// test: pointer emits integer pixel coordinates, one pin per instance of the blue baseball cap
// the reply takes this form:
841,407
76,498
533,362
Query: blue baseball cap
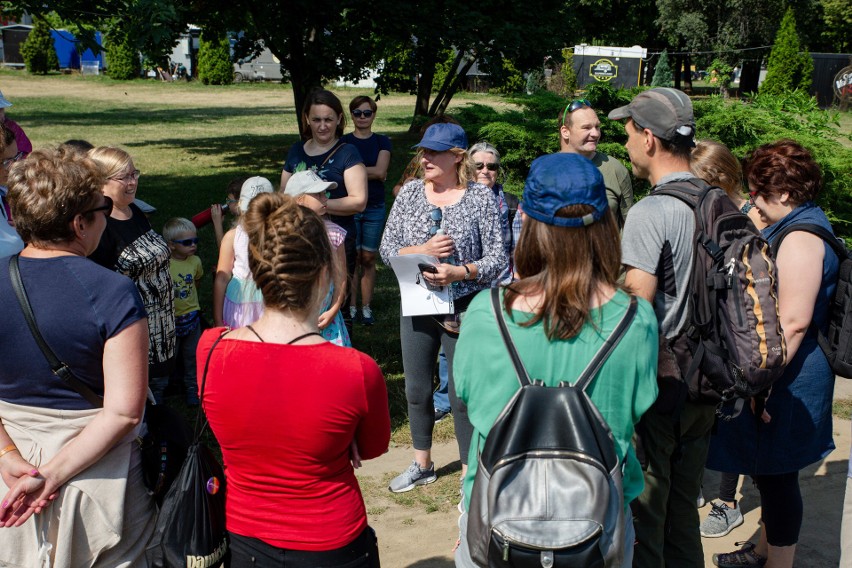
442,137
559,180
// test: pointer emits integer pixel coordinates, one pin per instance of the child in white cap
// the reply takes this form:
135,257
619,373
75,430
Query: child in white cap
311,191
236,300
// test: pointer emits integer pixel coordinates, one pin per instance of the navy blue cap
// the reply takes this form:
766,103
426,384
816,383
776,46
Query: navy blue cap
442,137
559,180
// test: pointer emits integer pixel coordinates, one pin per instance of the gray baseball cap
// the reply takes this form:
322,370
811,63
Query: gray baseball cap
665,112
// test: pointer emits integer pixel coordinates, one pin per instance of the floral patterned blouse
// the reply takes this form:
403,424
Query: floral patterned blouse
473,223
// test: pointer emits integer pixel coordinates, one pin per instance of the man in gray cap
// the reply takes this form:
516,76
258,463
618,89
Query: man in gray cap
657,251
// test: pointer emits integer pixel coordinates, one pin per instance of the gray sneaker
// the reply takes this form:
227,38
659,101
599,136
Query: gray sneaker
412,477
721,520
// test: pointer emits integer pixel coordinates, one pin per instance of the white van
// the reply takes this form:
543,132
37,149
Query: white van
264,67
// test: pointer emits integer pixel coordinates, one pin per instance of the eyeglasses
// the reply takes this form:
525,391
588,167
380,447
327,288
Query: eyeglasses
7,163
127,178
106,207
358,113
435,215
490,166
230,200
186,242
574,105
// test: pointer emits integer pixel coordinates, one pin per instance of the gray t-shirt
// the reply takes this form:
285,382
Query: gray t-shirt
657,239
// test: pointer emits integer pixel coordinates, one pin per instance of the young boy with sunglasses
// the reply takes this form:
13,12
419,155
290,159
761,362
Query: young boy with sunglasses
186,270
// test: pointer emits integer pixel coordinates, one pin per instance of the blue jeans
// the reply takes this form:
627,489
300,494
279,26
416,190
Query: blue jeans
441,397
368,227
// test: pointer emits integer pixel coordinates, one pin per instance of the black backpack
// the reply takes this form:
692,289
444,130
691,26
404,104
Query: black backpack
837,342
548,488
736,347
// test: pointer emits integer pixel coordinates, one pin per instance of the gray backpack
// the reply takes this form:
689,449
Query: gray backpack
548,488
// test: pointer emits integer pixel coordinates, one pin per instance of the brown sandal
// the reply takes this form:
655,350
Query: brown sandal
745,557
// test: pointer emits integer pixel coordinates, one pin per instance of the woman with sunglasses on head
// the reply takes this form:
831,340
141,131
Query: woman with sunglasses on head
131,247
323,151
71,487
795,430
375,150
445,214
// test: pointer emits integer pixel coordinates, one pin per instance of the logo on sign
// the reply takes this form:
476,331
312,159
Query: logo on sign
603,70
843,83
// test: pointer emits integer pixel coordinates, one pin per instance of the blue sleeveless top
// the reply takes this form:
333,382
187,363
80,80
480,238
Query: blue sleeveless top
800,432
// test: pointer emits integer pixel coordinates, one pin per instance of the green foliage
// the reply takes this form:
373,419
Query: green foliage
720,75
443,68
214,59
564,79
122,58
838,22
789,68
535,82
509,80
37,51
663,75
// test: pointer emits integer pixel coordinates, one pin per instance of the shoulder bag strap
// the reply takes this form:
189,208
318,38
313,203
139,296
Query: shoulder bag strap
591,370
523,376
199,427
59,368
333,152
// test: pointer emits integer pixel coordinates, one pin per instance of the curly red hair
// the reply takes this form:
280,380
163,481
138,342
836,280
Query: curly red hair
784,166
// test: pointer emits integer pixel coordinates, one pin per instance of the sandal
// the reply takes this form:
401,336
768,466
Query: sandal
745,557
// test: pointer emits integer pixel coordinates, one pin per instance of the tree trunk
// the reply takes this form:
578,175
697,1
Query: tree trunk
439,105
424,87
677,70
688,65
448,80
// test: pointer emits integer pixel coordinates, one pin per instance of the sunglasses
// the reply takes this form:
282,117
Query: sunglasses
186,242
7,163
491,167
358,113
435,215
106,207
574,105
127,178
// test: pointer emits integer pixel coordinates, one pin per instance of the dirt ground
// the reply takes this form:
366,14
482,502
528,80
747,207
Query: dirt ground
411,538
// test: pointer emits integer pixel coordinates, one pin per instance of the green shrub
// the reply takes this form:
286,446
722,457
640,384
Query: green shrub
535,82
122,57
789,68
663,75
214,59
37,50
509,80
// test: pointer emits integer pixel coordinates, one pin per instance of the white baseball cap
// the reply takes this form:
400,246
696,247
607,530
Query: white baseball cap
252,187
307,181
4,102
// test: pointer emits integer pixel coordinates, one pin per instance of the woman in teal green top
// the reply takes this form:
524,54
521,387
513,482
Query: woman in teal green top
559,313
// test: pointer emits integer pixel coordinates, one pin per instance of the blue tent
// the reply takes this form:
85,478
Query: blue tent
66,45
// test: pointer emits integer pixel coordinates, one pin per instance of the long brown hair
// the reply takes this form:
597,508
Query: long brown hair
567,265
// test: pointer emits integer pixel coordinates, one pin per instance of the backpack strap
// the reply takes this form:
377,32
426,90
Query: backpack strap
821,232
520,371
591,370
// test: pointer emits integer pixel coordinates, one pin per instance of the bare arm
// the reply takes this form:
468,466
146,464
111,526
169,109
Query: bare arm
641,283
216,216
799,264
224,271
339,288
380,170
355,180
285,177
125,364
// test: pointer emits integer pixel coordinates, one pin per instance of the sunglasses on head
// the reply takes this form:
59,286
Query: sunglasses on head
7,163
574,105
358,113
106,207
186,242
490,166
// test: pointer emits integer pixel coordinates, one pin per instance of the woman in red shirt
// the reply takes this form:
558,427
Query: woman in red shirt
292,412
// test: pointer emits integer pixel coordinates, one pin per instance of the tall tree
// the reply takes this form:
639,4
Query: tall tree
37,51
789,68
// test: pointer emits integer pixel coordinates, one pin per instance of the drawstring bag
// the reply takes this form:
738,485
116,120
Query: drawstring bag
190,529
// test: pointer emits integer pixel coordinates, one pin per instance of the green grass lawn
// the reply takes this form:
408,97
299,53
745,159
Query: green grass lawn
190,140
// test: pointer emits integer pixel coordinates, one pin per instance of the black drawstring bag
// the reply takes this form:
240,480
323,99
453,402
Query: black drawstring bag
190,528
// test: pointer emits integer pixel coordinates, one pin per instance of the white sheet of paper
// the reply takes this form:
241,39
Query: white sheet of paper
418,297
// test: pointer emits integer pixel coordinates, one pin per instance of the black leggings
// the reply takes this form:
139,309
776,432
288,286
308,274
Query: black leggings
728,487
781,503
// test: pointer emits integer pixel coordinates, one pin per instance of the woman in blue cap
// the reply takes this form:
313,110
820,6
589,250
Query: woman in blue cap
443,213
559,313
